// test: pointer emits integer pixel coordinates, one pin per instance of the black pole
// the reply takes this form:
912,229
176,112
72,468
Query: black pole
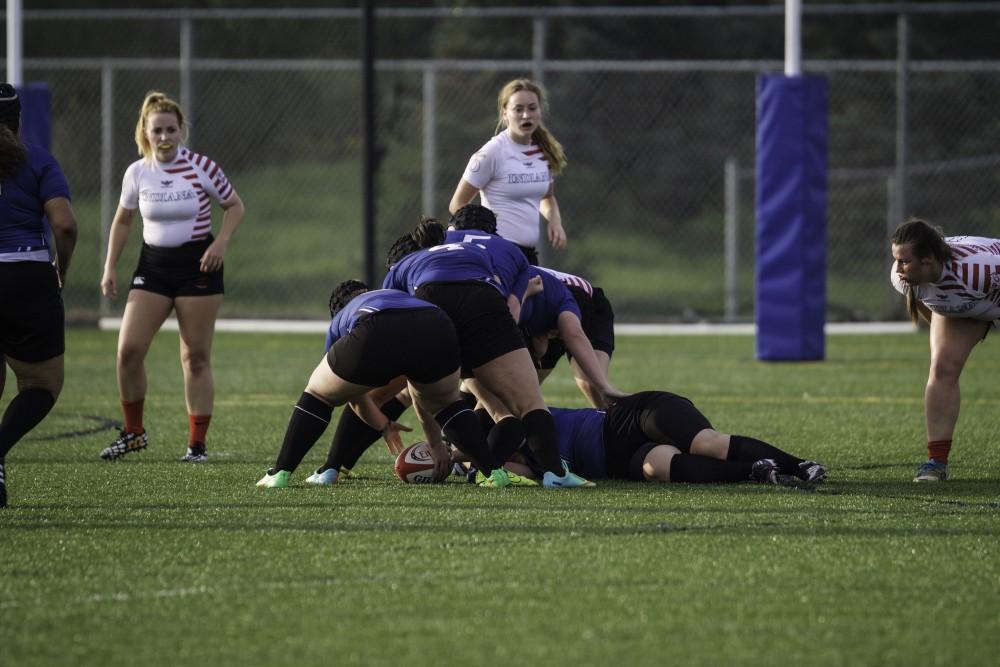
368,165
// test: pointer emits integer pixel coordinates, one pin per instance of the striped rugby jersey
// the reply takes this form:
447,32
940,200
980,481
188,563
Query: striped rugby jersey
969,285
570,280
175,199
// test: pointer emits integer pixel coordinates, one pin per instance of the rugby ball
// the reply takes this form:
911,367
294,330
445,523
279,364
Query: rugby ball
414,465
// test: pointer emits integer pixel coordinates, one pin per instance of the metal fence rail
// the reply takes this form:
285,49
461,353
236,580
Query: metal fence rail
658,195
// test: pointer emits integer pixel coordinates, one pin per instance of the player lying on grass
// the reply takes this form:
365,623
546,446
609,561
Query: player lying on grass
656,436
376,336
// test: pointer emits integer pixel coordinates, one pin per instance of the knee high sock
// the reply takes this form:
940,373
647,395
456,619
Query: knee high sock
505,438
742,448
23,413
309,419
469,398
461,426
485,420
540,432
705,469
353,436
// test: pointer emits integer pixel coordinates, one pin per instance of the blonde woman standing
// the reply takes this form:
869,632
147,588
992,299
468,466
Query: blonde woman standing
180,268
514,172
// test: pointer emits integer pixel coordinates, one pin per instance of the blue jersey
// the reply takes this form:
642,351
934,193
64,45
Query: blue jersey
508,260
540,312
23,227
366,304
581,440
450,262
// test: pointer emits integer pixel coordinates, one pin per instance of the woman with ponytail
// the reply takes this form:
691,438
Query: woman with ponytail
514,172
952,282
180,268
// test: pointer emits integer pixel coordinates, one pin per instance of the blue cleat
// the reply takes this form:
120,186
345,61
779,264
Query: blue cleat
327,477
568,480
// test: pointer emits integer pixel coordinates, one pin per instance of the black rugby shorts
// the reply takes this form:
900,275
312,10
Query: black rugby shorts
419,343
175,272
32,317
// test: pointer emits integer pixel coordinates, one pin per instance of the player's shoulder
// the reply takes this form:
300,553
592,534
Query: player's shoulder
497,145
199,161
973,249
38,153
139,167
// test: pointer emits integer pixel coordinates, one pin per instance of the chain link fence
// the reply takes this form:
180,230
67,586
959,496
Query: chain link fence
658,197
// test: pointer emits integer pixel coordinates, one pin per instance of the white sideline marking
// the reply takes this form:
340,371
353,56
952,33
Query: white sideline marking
692,329
122,596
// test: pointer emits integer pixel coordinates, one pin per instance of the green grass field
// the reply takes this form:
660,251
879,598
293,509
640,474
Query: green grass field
149,561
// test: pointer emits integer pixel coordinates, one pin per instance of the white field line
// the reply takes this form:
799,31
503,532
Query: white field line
131,596
623,329
118,596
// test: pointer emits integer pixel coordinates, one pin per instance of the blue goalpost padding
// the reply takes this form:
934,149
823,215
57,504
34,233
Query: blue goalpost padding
791,217
36,114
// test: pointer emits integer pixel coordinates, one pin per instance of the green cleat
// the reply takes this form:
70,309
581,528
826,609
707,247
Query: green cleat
275,480
512,479
498,479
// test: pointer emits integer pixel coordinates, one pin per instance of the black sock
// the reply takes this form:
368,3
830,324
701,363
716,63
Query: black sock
743,448
469,398
505,438
23,413
309,419
705,469
540,433
485,420
353,436
461,426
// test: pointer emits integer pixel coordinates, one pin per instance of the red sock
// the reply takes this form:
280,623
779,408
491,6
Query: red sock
197,428
133,416
938,450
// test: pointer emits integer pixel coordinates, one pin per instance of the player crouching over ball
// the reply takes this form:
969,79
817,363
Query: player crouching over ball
375,337
656,436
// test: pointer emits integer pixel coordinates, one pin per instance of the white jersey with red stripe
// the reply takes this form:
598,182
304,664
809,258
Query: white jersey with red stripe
175,199
512,178
570,280
969,285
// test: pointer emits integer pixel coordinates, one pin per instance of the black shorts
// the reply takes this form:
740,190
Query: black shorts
32,317
597,321
419,343
648,416
484,325
530,253
175,272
